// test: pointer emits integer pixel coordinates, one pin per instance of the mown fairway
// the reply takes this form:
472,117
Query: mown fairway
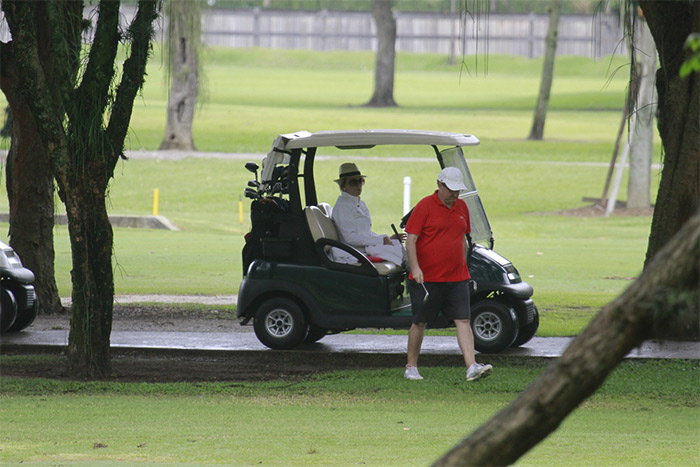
645,414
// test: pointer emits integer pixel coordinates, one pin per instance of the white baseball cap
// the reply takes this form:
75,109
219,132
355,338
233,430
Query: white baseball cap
452,178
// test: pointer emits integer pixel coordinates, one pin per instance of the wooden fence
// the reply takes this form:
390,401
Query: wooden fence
453,35
524,35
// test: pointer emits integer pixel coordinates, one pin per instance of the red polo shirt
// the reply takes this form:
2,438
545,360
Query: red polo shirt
440,244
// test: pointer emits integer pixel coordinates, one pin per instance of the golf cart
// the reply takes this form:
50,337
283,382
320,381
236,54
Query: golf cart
295,292
18,300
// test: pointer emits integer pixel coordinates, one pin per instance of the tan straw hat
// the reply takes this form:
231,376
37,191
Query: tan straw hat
348,170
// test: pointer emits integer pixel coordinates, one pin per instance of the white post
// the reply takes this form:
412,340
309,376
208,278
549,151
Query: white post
406,195
612,200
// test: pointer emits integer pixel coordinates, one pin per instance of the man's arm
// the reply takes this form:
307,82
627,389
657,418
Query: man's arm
413,257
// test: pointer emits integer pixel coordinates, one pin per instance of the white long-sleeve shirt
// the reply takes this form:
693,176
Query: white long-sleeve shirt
352,218
354,224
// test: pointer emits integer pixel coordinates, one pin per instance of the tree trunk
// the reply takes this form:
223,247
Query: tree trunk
678,198
386,55
642,136
650,302
93,283
84,196
30,192
537,130
184,32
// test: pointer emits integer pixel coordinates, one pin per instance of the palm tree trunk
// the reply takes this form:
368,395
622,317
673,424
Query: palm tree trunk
183,39
386,55
537,130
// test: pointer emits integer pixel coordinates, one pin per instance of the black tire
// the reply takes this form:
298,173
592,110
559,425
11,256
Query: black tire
279,323
527,332
9,309
25,317
315,334
494,325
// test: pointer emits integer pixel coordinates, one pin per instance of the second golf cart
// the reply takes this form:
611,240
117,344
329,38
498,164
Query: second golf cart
295,292
18,299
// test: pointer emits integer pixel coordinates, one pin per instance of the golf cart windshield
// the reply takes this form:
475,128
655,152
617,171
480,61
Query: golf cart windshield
481,230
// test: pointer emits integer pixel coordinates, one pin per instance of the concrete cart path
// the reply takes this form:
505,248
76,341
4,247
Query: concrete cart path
339,343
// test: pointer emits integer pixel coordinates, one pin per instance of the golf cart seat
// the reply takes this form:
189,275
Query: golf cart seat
326,209
325,236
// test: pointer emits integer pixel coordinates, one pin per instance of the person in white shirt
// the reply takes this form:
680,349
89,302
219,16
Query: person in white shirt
354,224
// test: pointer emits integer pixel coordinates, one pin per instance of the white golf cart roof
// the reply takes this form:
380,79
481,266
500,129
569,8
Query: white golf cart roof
368,138
356,139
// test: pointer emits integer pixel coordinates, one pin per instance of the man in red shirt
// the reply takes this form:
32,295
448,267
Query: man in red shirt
436,248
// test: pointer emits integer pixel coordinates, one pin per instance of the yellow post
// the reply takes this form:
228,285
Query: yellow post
240,209
155,201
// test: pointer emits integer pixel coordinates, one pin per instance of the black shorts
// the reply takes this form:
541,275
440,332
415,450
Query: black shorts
453,299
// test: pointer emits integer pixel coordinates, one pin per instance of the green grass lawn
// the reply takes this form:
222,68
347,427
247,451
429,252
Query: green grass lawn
645,413
251,95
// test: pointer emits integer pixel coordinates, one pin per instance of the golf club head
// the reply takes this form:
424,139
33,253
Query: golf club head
252,167
425,297
250,193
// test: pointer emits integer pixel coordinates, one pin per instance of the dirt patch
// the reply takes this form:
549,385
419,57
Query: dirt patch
195,366
157,318
159,366
621,210
164,366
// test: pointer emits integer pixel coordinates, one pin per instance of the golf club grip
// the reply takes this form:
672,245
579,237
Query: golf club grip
393,227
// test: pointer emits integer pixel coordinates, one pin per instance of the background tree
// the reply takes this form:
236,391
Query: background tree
678,198
664,300
386,55
537,130
6,131
29,184
82,115
184,41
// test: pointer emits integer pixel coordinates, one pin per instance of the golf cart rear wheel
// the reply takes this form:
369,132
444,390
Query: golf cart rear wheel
494,326
279,323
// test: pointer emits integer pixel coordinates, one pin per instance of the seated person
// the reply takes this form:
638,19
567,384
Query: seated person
352,219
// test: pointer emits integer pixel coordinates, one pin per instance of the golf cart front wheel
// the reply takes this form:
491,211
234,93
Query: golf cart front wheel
8,309
26,315
528,331
494,325
279,323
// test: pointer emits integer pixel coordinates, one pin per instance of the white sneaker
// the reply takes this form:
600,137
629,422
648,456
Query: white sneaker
412,373
477,370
